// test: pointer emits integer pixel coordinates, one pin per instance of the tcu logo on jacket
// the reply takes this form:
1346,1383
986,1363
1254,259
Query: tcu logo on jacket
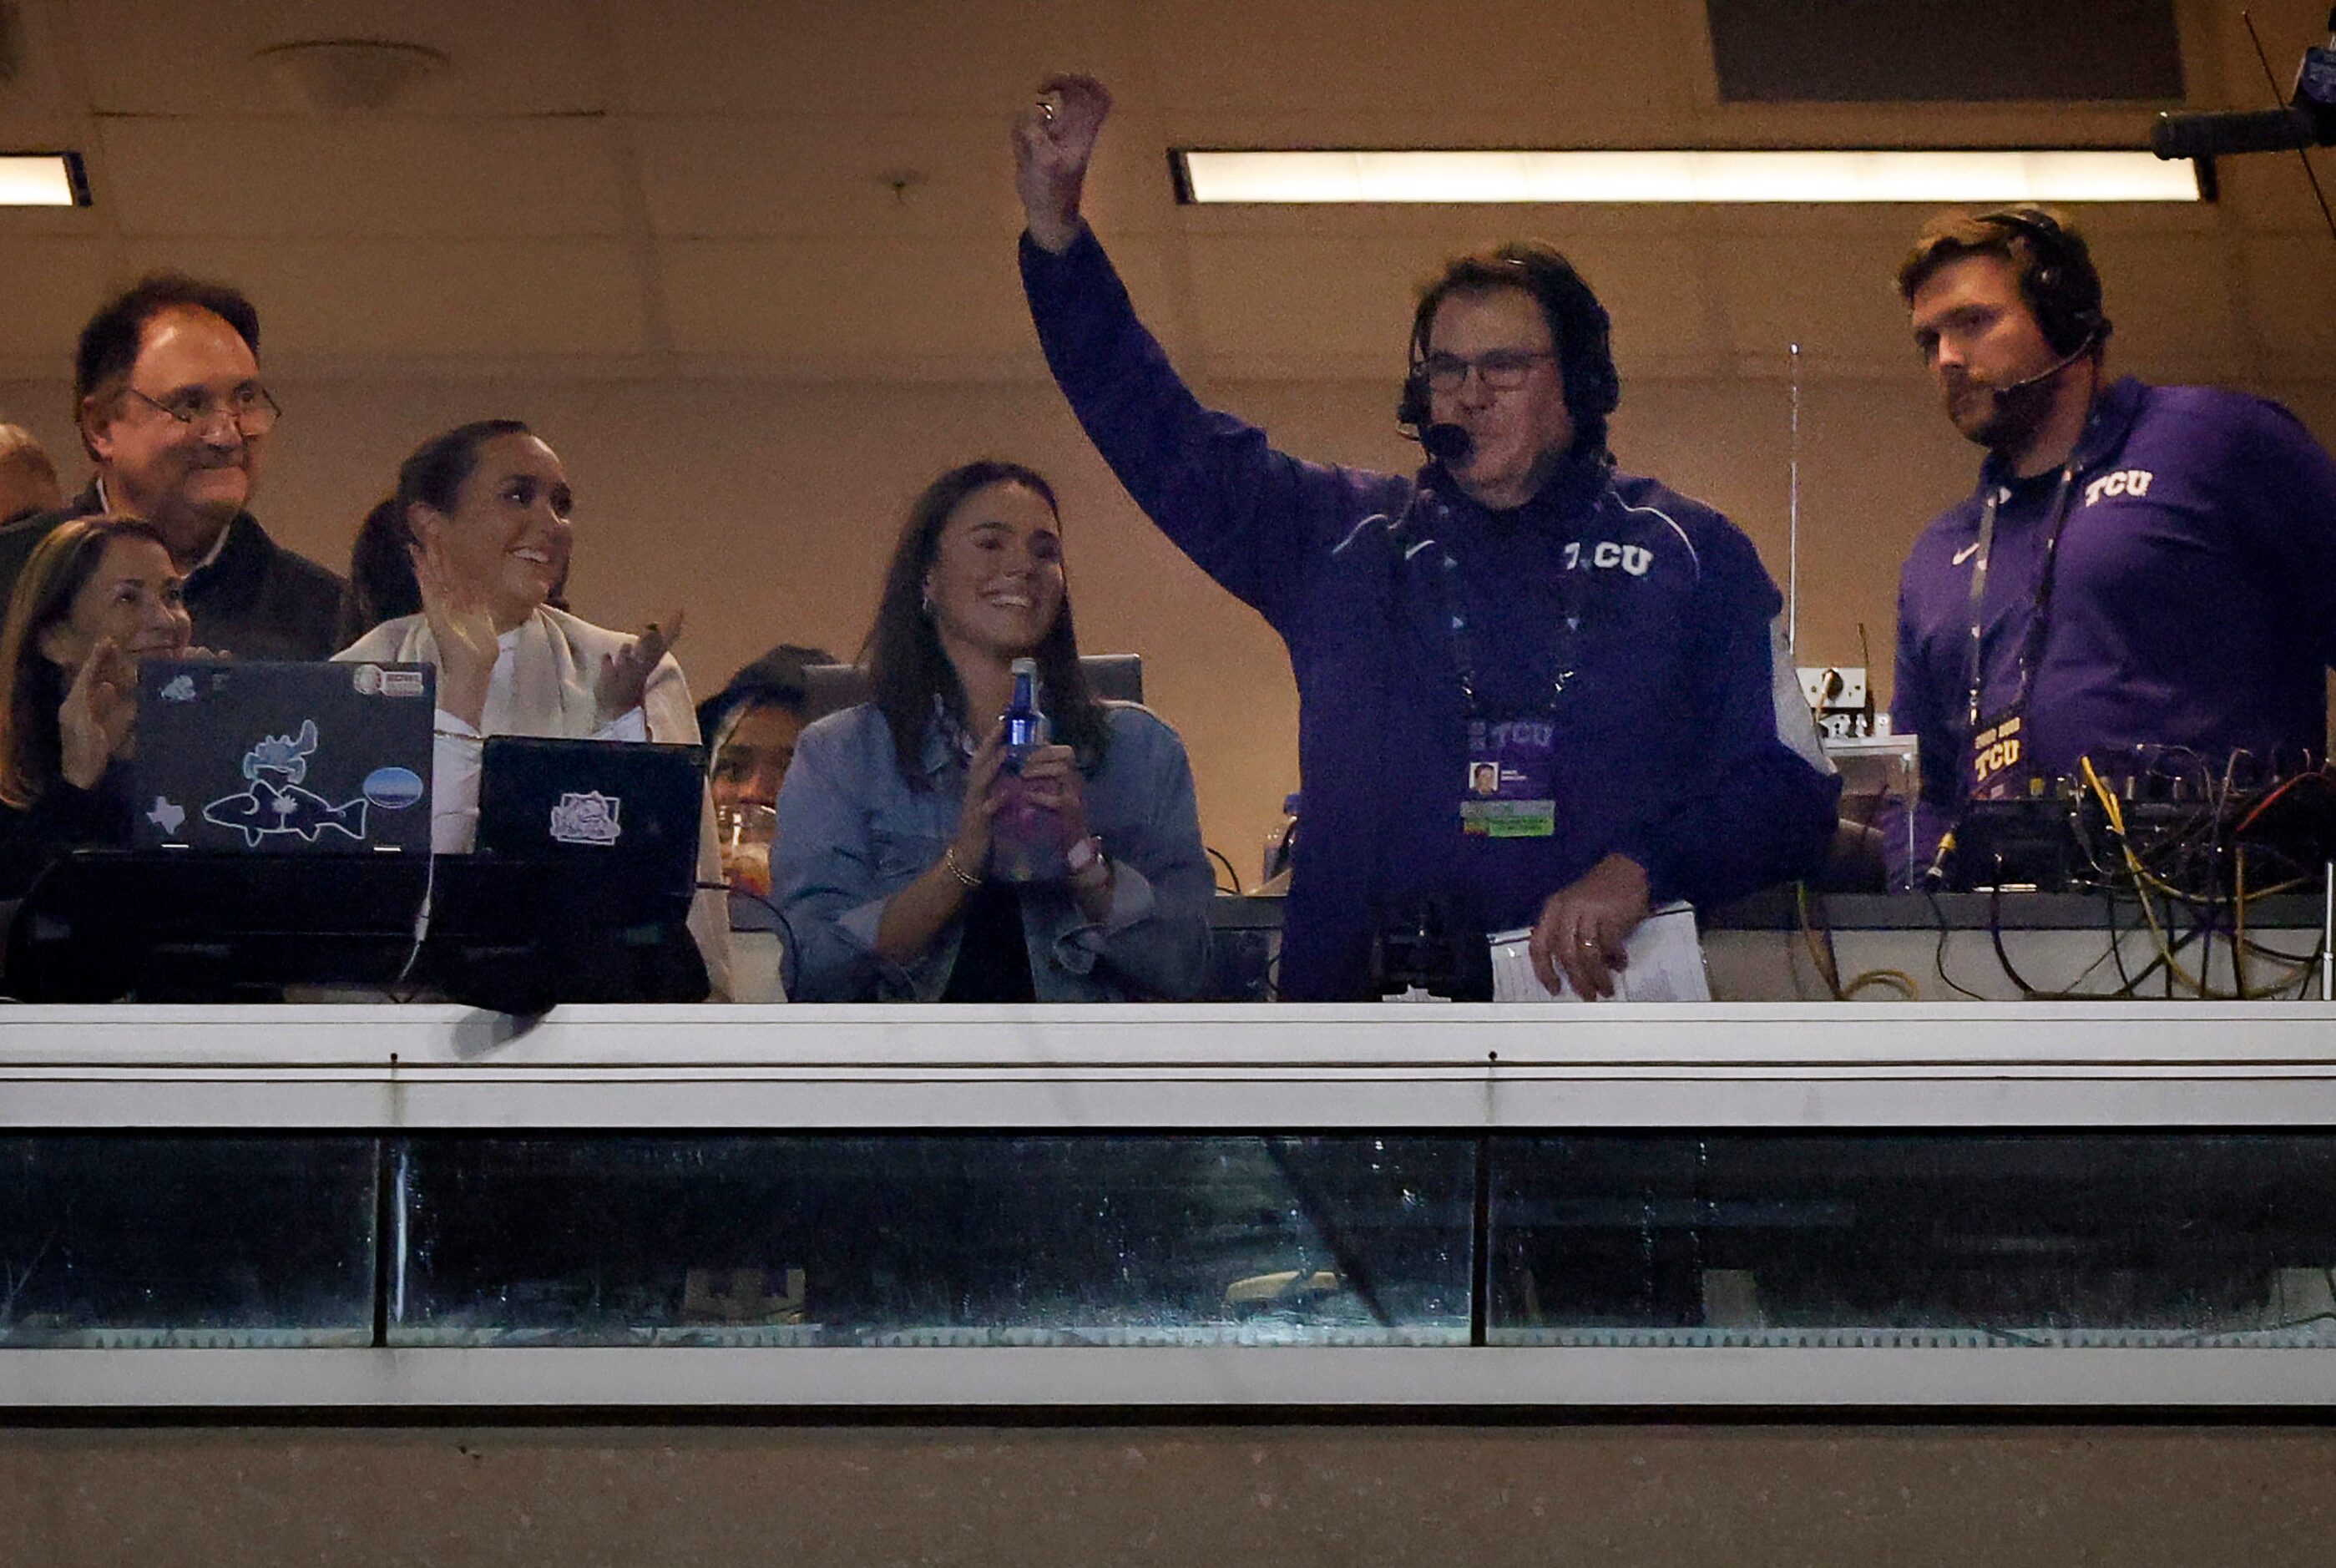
1606,555
2133,481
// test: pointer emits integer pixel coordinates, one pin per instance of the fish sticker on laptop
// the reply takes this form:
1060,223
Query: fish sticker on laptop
277,804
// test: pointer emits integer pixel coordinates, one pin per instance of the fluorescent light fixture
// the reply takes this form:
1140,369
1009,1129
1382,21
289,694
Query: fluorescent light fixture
2073,174
42,179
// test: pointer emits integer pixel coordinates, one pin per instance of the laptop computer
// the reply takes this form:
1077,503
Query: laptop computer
265,758
632,812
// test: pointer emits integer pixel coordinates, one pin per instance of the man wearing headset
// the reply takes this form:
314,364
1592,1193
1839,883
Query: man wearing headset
2145,578
1598,643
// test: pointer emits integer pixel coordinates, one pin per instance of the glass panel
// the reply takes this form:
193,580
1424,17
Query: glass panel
934,1240
113,1240
2011,1240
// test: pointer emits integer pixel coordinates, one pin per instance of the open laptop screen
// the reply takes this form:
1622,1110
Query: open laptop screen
267,757
636,808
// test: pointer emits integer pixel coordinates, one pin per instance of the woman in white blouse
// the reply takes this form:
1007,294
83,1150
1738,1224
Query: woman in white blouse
479,535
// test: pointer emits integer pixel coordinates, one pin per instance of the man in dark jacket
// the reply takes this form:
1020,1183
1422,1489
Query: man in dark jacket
1601,643
174,415
2152,570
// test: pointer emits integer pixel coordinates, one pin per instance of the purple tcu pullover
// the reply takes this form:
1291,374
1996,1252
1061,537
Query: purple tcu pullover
1668,741
2193,603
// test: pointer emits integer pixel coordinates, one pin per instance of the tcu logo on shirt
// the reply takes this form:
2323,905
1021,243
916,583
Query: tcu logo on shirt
2133,481
1606,555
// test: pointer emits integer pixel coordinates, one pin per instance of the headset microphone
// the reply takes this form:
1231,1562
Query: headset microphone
2003,395
1446,443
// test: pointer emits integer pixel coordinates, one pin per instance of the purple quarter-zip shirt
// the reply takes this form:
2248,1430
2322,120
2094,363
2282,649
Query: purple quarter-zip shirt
2193,603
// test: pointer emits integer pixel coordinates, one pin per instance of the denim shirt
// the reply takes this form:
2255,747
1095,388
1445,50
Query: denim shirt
851,832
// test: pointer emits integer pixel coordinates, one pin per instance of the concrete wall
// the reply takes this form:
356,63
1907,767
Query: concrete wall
1619,1497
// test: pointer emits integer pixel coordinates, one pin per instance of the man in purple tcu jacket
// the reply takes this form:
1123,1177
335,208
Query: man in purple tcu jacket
2145,576
1527,684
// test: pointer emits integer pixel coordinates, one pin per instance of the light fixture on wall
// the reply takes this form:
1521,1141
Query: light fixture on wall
1360,175
335,75
42,179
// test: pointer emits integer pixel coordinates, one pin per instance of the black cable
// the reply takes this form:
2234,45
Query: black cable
2067,993
1995,935
1938,959
2311,174
790,955
2117,941
421,932
1218,855
2132,987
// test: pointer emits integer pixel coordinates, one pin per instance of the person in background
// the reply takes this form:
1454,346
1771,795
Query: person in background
484,512
28,480
752,726
882,861
1604,642
173,411
98,595
755,722
381,586
2152,570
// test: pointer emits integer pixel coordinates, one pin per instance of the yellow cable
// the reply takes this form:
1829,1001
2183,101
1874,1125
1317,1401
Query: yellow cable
1898,980
1817,955
2116,814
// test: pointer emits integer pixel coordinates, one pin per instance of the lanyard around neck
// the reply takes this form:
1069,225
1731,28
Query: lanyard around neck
2031,644
1451,610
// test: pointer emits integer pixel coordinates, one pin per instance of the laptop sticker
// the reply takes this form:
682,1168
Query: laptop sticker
372,680
167,814
393,788
589,818
277,804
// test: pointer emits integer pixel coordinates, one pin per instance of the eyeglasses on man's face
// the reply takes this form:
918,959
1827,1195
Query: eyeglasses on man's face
1502,369
251,408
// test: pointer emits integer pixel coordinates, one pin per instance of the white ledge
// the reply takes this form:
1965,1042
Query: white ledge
1495,1067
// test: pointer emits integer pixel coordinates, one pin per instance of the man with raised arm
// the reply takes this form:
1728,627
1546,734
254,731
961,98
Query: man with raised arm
1603,643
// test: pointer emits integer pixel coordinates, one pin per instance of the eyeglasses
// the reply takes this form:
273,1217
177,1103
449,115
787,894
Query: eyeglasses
1502,369
252,410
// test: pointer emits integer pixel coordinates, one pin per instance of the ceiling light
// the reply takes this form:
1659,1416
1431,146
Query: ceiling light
335,75
42,179
2065,174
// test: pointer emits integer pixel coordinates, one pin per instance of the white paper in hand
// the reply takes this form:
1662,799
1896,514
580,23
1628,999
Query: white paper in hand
1665,964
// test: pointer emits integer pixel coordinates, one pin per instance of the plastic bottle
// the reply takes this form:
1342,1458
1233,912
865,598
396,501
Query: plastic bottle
1025,838
1280,841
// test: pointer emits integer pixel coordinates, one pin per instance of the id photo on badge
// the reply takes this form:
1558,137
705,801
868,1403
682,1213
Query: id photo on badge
1485,778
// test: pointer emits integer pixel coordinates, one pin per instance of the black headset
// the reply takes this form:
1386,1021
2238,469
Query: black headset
1411,404
2062,288
1592,387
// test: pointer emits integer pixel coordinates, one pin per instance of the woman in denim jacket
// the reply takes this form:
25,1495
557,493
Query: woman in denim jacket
881,863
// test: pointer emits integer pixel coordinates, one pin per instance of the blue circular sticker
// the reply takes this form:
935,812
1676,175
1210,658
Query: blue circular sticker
393,788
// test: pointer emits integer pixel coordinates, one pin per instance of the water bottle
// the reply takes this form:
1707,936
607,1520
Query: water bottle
1280,843
1026,837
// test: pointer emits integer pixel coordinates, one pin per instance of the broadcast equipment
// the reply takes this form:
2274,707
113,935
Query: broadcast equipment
2173,833
1428,946
2308,118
